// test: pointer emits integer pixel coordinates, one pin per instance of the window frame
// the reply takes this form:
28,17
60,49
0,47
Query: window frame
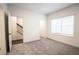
61,33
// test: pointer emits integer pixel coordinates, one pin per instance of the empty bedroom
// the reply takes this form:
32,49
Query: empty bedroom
39,29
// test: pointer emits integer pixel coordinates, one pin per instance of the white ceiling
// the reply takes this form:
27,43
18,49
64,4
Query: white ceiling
43,8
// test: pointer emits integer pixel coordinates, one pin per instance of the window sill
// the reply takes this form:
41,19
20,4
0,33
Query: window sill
67,35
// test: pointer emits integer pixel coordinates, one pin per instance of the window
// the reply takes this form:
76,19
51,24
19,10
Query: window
64,25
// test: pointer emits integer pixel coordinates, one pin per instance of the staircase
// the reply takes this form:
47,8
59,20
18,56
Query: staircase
19,35
19,29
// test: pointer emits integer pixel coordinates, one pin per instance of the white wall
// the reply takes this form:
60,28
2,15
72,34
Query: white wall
20,21
31,23
43,27
14,27
32,27
74,10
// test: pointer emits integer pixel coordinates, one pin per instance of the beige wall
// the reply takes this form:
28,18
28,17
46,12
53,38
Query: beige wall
4,9
74,10
2,33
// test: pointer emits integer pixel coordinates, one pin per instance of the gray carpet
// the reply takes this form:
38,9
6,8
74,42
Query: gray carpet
44,47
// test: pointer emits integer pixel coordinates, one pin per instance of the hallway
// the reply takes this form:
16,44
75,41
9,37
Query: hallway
44,47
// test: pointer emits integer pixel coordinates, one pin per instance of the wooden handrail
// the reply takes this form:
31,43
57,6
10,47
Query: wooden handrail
19,25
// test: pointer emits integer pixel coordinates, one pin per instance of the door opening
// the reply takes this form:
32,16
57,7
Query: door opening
17,30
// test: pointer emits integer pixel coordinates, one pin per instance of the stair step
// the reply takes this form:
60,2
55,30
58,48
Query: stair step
17,41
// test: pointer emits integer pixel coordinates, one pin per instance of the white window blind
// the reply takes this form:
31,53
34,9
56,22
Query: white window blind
64,25
56,26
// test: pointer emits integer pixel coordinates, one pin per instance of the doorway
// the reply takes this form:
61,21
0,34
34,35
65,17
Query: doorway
17,30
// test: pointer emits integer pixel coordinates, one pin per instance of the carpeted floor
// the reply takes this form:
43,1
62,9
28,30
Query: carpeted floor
44,47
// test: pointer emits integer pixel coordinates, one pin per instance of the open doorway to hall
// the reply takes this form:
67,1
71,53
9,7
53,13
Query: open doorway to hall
17,30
